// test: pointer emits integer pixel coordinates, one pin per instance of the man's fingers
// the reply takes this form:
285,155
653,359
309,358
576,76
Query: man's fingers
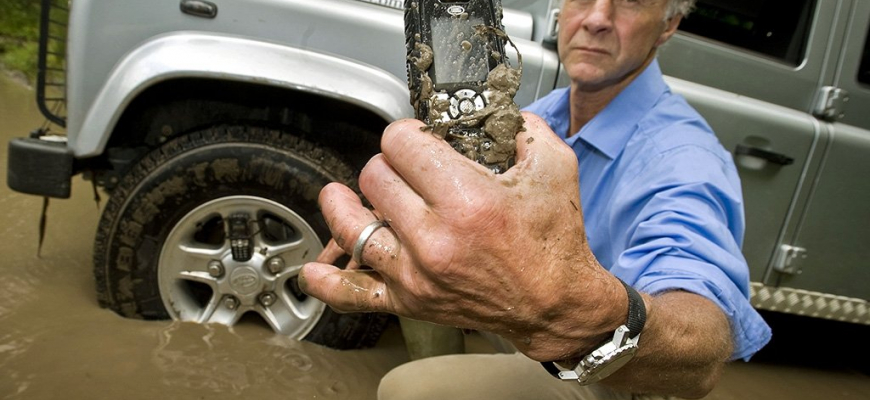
348,219
380,250
539,146
343,290
398,203
330,253
344,213
428,164
526,139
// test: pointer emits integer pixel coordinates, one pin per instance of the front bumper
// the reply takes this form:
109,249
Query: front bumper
41,166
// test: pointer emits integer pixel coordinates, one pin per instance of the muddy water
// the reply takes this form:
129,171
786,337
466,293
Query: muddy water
57,343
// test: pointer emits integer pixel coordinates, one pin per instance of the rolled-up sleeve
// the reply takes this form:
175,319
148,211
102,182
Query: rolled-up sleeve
682,229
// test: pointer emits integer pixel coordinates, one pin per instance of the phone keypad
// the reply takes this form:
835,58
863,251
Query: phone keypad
465,102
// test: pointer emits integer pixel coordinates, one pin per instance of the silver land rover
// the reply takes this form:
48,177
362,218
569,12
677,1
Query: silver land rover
213,124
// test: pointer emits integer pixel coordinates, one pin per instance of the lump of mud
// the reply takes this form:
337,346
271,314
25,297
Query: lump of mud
493,144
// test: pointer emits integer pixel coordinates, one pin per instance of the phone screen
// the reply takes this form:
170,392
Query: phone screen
460,55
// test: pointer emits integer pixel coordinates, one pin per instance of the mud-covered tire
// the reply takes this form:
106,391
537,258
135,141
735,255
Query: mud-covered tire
250,167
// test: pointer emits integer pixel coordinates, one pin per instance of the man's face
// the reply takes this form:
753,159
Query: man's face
601,42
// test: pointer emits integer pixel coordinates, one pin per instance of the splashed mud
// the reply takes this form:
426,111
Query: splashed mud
500,119
56,342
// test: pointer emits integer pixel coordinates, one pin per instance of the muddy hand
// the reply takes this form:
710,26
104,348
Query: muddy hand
332,252
468,248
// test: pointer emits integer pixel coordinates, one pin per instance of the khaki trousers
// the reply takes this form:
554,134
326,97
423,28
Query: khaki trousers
484,377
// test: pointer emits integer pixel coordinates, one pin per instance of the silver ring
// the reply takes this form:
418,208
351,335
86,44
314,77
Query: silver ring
364,237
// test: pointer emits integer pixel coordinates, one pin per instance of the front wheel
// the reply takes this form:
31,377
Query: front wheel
215,225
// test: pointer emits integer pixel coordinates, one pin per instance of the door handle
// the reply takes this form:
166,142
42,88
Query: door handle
199,8
776,158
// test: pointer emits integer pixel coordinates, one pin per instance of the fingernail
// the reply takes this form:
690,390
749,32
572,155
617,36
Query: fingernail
301,280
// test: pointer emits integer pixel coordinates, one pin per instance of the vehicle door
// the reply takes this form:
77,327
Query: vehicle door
752,69
531,25
832,236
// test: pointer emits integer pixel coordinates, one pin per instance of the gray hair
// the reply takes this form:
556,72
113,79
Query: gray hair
683,7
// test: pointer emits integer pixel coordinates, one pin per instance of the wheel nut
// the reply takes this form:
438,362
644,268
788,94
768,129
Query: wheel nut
267,299
215,269
275,265
231,303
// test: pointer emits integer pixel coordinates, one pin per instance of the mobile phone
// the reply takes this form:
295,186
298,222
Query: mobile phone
452,47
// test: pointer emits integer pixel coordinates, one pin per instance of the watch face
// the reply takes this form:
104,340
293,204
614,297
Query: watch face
606,365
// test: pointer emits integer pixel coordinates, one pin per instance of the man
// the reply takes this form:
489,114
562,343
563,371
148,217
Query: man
515,254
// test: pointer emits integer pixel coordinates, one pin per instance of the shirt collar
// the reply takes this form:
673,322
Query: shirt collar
610,129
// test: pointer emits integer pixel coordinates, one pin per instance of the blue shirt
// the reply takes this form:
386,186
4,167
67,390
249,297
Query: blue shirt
661,199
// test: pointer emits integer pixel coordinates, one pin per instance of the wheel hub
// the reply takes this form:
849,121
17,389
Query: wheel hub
244,281
251,266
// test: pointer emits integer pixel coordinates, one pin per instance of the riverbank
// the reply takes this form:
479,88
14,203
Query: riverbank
16,76
18,59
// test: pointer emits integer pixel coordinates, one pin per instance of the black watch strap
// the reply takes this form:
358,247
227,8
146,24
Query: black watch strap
636,311
635,323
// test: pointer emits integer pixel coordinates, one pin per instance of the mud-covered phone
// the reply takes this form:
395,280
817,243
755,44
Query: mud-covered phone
452,47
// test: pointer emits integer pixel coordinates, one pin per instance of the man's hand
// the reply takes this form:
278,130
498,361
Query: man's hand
468,248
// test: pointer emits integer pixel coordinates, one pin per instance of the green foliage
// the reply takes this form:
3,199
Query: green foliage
19,35
19,19
21,57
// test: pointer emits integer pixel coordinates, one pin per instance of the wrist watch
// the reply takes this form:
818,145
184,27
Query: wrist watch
613,354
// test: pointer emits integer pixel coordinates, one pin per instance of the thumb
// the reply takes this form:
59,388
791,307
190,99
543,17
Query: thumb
541,148
344,290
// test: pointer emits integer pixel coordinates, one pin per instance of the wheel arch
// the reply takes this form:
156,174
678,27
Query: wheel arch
303,78
178,106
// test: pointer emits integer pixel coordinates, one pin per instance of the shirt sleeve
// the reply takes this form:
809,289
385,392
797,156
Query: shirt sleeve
683,213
